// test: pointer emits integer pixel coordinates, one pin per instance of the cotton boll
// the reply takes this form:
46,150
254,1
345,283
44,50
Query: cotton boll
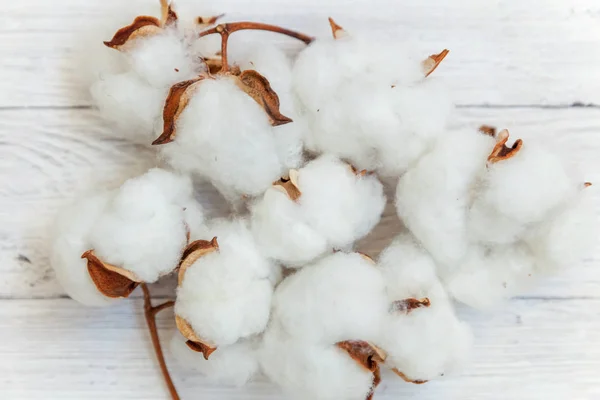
527,186
336,207
426,342
336,202
489,275
324,302
71,240
282,233
224,135
568,236
366,102
142,229
309,371
133,106
164,59
433,198
233,365
226,295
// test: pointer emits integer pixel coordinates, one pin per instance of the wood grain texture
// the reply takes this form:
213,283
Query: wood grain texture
502,52
58,349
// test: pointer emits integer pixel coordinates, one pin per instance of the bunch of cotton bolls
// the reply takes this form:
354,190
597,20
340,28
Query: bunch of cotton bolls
281,289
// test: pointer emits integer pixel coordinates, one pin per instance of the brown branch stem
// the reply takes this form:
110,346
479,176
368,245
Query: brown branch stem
150,314
228,28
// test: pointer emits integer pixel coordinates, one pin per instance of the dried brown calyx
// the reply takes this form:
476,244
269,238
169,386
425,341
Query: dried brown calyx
367,258
501,151
406,306
177,100
110,280
406,379
433,61
191,254
362,172
587,184
488,130
336,30
367,356
289,185
143,26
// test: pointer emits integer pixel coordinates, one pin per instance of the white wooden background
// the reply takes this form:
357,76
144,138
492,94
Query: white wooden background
528,65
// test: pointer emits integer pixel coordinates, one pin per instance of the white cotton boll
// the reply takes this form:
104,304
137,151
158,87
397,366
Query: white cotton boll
163,60
337,203
133,106
427,342
142,229
233,365
224,135
336,207
309,371
369,103
324,302
432,198
282,233
527,186
70,235
488,276
226,295
570,235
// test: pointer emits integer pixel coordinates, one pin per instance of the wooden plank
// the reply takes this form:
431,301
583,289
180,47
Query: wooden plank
503,52
48,157
531,350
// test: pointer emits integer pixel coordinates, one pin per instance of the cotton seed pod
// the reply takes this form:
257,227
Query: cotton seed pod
421,335
353,87
316,209
225,288
127,236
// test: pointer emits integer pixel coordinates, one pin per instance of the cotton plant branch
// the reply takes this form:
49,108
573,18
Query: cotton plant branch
150,314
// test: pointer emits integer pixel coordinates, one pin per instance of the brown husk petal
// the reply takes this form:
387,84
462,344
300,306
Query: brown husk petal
206,21
336,30
193,341
367,257
356,172
408,305
587,184
178,98
433,61
142,26
215,65
111,281
406,379
168,15
502,152
258,87
288,187
367,356
193,252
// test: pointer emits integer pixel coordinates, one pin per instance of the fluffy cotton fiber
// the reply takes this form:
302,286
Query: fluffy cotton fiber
336,207
368,101
426,342
226,295
322,303
305,370
233,365
71,240
143,227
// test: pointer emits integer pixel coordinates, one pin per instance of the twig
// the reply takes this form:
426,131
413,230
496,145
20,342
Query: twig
228,28
150,313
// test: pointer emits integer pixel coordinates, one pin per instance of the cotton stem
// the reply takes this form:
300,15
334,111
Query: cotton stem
228,28
150,314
